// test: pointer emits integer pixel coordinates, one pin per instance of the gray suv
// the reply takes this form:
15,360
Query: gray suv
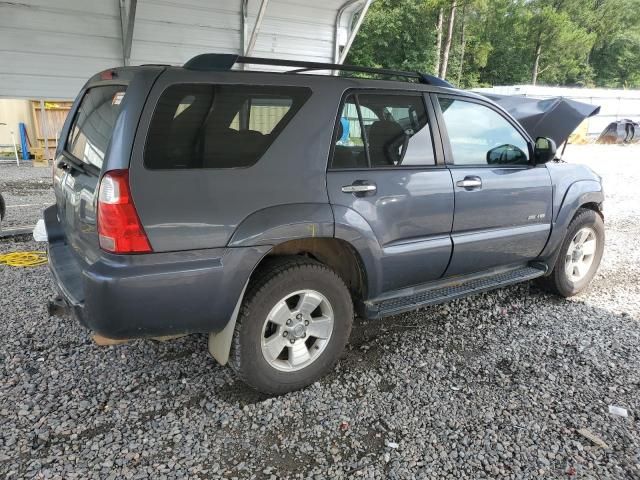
265,208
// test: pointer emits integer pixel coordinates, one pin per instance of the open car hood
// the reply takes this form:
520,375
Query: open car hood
555,117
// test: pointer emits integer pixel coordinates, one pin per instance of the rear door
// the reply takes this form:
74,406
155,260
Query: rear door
78,165
502,200
387,170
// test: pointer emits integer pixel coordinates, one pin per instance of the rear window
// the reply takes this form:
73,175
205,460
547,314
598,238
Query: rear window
93,124
218,126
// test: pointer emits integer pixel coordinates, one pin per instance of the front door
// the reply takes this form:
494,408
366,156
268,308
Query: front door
384,171
502,200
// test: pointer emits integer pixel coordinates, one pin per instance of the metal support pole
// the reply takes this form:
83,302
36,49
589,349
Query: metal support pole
256,28
44,126
15,149
354,32
243,31
127,22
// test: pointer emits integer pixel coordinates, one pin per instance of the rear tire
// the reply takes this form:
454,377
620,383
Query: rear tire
579,256
293,325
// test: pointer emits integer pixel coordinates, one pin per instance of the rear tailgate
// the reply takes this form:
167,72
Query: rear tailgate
79,164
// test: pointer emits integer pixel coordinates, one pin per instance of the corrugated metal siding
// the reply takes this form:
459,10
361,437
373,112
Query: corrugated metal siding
296,30
49,48
173,32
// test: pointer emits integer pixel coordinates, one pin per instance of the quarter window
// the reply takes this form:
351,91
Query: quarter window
93,125
218,126
377,130
479,135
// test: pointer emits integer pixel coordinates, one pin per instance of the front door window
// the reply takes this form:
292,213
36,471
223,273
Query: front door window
480,136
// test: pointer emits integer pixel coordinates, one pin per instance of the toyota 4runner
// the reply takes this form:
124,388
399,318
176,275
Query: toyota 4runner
264,208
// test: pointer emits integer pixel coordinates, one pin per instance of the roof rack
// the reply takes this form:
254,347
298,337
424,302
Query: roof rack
225,61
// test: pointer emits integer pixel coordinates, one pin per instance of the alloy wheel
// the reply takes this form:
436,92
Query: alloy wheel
297,330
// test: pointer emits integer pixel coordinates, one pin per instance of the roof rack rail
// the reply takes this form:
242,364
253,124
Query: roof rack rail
225,61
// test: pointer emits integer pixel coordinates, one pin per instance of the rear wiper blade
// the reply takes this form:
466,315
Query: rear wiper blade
81,167
66,164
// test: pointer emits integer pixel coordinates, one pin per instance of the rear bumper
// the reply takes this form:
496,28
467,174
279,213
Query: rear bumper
131,296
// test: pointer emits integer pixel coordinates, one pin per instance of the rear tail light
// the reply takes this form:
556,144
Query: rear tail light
119,226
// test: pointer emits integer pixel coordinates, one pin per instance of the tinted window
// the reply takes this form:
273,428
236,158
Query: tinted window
349,149
93,124
215,126
264,113
393,128
480,136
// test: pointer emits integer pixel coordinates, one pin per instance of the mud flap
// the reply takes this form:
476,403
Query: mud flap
220,342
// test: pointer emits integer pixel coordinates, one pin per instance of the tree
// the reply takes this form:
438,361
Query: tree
560,46
616,61
447,44
397,34
494,42
463,43
439,40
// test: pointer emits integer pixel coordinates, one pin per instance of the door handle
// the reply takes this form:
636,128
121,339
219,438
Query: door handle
470,183
360,188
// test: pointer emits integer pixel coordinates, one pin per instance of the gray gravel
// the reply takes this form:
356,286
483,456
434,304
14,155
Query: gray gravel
26,190
496,385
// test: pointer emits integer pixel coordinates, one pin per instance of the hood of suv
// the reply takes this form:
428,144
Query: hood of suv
555,117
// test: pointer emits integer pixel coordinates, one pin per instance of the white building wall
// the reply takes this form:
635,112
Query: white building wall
13,112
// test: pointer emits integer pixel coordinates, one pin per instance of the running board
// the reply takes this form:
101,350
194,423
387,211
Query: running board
449,289
14,232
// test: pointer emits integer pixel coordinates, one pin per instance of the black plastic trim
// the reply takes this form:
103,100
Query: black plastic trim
223,61
449,289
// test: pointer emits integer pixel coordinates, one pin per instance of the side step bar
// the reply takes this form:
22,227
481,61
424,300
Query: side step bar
443,291
14,232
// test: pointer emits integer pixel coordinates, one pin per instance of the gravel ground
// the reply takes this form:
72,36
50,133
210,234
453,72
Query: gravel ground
496,385
26,191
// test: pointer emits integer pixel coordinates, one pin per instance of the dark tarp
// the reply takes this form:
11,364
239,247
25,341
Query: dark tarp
555,117
622,131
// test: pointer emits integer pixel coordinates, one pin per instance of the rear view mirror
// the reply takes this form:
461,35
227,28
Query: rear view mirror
545,150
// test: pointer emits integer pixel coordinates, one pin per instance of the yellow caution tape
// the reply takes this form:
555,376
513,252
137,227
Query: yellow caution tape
24,259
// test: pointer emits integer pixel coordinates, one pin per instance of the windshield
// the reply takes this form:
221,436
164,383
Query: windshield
93,124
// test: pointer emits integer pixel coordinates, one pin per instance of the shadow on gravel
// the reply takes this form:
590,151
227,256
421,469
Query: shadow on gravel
240,393
17,239
20,187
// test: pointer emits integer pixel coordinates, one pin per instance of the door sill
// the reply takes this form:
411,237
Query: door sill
448,289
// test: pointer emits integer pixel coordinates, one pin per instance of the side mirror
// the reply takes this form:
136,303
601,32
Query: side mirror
506,155
545,150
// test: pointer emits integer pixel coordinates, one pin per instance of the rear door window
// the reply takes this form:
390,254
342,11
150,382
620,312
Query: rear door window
378,130
218,126
93,124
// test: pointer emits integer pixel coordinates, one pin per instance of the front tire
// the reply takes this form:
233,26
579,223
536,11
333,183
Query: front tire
293,325
579,256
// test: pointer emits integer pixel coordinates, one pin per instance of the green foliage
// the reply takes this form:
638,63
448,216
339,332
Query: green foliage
392,33
577,42
617,61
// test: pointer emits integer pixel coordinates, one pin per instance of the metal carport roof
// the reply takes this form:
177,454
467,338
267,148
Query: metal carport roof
48,49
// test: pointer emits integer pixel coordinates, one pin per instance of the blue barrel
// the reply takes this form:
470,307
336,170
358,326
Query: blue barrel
24,145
